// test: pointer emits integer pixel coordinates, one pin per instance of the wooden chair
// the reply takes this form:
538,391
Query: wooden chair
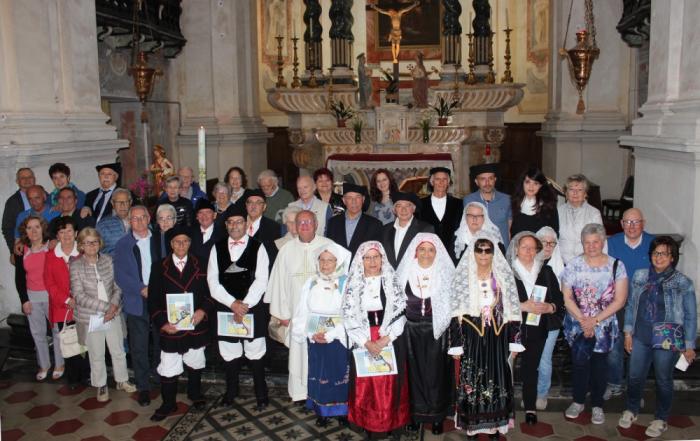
613,208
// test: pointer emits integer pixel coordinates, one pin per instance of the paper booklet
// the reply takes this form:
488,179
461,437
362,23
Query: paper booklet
539,293
322,323
97,323
180,309
368,365
227,326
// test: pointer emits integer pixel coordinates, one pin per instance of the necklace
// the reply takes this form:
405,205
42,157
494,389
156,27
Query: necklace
425,279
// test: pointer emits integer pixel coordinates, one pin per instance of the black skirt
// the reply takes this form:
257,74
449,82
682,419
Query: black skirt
430,372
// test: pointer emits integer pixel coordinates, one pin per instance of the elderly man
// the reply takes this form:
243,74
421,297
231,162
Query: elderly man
308,201
206,232
189,188
397,235
352,227
442,210
37,206
132,270
114,227
97,201
277,197
295,263
632,248
67,205
261,228
289,215
60,176
183,207
16,204
497,203
237,274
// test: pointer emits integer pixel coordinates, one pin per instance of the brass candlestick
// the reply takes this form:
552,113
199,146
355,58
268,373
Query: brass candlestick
507,77
296,82
471,77
280,63
456,96
311,64
490,76
330,88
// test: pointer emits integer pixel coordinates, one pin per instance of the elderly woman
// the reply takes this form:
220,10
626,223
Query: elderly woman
660,327
373,313
425,273
318,319
543,309
29,280
289,216
323,178
61,302
552,258
475,218
534,203
485,314
381,187
165,220
574,215
595,288
98,307
222,197
237,181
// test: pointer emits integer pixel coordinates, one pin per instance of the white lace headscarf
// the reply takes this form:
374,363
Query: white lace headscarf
464,300
464,236
555,261
528,278
442,272
354,315
342,264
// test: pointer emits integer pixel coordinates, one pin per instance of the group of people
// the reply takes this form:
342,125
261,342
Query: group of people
397,311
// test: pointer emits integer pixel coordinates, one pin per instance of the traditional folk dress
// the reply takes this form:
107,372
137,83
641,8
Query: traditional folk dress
320,305
430,371
373,307
482,334
463,236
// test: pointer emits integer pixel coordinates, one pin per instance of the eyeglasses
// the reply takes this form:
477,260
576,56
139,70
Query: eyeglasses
632,223
234,222
483,250
369,258
475,216
660,254
167,218
305,222
181,243
138,218
91,243
549,244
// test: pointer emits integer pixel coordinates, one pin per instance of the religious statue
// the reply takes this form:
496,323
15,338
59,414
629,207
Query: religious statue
392,89
395,34
364,77
161,168
420,83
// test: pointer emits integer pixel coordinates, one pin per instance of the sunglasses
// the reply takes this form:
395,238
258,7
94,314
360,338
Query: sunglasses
483,250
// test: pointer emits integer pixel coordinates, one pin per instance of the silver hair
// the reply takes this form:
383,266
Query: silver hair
119,190
311,213
187,167
265,174
166,207
291,209
597,229
221,186
579,178
172,179
139,207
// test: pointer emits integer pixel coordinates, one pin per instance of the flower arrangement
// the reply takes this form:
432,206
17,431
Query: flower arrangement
142,187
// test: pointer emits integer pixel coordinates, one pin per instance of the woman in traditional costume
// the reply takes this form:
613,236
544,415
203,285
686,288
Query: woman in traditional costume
426,272
475,218
373,313
318,319
483,330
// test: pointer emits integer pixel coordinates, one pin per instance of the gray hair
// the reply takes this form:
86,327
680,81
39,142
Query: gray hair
578,178
221,186
268,174
119,190
309,212
291,209
597,229
166,207
172,179
139,207
187,167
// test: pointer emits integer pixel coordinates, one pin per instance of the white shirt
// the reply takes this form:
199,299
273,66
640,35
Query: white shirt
571,222
58,251
439,205
400,234
144,245
207,232
631,245
371,298
177,260
256,289
98,201
255,227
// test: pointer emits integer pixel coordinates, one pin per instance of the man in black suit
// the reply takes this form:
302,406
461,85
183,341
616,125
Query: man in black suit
442,210
97,201
259,227
205,232
353,227
16,204
398,234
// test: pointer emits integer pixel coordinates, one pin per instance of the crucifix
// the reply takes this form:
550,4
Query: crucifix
395,34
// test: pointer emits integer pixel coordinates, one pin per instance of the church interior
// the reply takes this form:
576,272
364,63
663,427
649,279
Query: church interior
604,88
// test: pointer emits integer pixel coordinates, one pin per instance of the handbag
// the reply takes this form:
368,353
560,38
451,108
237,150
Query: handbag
668,336
277,331
68,339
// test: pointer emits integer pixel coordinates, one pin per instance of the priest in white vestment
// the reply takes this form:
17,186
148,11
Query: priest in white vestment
295,263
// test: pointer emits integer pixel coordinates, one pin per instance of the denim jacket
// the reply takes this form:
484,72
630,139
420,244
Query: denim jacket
679,301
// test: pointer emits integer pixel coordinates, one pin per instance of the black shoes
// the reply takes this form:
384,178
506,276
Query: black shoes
162,413
262,405
530,418
343,421
144,398
472,437
437,428
494,436
411,427
322,421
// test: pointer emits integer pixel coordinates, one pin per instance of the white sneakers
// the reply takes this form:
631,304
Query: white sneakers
656,428
627,419
102,394
597,415
126,387
541,403
574,410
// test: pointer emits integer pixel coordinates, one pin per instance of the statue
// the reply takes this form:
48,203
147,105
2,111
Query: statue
161,168
364,77
420,83
395,34
392,89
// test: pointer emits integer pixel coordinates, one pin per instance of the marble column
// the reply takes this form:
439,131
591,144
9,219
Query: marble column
341,41
588,143
666,138
49,103
451,41
217,80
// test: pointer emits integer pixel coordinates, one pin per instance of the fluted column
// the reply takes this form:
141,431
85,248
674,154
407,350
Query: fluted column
482,34
451,39
313,37
341,37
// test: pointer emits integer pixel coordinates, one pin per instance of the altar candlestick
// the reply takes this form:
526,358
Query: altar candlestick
202,155
507,26
470,21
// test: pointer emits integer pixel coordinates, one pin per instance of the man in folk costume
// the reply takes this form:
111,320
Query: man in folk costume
237,275
295,263
180,272
441,209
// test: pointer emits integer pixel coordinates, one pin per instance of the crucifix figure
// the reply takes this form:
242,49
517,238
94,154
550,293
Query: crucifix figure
395,34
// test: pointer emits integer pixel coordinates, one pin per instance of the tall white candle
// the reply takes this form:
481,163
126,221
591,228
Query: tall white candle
507,26
202,156
470,21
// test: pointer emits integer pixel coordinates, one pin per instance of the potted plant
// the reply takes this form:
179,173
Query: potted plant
444,110
357,125
341,112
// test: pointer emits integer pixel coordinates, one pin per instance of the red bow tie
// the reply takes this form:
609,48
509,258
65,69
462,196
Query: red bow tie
237,242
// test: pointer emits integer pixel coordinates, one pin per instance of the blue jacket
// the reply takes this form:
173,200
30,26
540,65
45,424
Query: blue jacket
197,194
679,302
127,273
111,228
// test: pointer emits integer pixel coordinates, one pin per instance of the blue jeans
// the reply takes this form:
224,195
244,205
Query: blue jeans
544,377
664,361
616,362
590,375
138,328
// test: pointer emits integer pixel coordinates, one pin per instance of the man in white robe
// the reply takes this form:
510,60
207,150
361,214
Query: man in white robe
295,263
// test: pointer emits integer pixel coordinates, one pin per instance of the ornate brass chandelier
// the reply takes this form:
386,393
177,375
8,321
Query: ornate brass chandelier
583,54
144,75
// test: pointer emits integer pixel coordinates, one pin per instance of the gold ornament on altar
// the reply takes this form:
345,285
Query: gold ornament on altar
144,76
161,168
581,57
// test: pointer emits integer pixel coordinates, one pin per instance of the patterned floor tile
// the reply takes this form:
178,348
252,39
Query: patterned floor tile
636,431
41,411
121,417
539,430
92,403
21,396
151,433
64,427
681,421
11,435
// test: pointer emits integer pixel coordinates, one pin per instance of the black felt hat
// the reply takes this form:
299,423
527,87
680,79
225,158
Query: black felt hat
178,230
405,196
235,210
115,166
249,192
349,187
204,204
440,170
476,170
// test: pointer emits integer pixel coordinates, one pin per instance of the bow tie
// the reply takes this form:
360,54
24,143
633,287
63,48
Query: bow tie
236,242
181,265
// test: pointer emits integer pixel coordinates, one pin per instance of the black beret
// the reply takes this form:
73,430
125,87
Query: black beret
249,192
405,196
235,210
117,167
439,170
349,187
476,170
203,204
178,230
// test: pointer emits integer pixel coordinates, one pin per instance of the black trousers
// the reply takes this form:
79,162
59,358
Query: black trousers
528,369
